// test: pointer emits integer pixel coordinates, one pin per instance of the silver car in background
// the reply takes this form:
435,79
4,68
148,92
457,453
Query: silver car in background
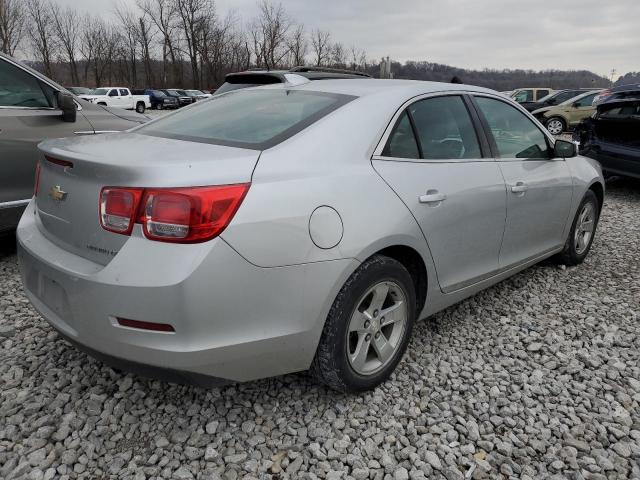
299,226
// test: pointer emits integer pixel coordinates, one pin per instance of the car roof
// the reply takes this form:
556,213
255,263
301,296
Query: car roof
369,86
312,73
625,88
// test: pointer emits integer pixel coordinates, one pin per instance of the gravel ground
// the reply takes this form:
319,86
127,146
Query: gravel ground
538,377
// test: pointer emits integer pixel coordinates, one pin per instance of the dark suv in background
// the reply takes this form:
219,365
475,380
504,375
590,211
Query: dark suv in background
159,100
256,78
612,135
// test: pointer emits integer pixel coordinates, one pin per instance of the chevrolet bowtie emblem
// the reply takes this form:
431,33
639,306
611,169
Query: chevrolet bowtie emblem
57,193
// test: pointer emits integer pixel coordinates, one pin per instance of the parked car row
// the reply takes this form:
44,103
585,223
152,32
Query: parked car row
139,99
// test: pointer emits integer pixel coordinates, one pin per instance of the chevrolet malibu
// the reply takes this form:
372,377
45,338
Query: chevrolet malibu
298,226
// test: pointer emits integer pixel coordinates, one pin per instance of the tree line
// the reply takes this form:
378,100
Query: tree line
501,80
163,43
190,44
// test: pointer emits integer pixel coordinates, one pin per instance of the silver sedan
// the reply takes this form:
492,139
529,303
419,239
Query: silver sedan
299,226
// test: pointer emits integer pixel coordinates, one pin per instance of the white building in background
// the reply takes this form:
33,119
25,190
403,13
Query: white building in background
385,68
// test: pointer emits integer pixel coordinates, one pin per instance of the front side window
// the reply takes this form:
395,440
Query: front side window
20,89
256,119
113,93
542,93
524,96
516,136
444,129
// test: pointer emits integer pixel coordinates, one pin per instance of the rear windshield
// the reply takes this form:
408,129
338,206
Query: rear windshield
256,119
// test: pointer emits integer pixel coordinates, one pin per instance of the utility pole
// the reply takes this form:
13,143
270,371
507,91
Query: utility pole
613,76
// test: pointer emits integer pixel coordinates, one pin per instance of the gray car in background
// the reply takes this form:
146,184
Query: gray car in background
296,226
33,108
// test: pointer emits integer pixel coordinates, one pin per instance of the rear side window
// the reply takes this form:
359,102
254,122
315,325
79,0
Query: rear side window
516,136
444,129
586,101
564,96
20,89
124,92
402,142
256,119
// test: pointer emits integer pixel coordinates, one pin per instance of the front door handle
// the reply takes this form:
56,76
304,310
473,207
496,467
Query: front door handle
432,197
519,187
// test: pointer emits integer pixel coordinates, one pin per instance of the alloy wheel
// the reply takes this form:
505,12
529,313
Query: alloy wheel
555,126
376,328
584,228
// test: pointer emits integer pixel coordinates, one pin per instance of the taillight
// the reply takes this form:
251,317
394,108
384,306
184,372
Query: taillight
118,208
183,215
36,184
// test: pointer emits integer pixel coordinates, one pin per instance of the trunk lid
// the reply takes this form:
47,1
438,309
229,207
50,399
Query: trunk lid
68,196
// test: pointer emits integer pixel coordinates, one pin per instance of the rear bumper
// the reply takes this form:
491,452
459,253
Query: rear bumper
232,320
615,159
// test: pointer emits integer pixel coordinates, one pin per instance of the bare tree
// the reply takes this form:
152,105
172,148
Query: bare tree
298,46
321,45
67,28
269,33
358,58
338,55
129,42
41,32
163,13
12,21
194,16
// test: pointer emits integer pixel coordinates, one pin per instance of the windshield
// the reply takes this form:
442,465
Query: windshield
100,91
256,119
547,97
158,93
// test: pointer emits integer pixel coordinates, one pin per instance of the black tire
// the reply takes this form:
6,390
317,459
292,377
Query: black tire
160,106
330,364
554,119
140,107
570,255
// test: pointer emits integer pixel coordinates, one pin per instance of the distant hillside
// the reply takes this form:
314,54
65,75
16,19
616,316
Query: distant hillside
631,77
496,79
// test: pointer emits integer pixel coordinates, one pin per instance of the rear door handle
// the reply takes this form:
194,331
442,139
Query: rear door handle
432,197
519,187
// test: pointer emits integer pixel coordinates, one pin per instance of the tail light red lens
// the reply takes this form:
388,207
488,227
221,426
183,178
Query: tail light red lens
182,215
118,208
36,185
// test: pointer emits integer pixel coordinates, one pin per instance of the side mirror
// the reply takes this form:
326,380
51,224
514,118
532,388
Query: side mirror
564,149
68,106
575,104
552,101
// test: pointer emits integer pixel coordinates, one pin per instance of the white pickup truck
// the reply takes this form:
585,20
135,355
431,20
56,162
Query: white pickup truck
119,97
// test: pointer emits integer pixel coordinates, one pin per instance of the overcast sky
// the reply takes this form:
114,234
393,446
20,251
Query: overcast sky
596,35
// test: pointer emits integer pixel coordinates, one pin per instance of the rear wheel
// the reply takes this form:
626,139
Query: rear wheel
368,327
555,125
140,107
582,232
